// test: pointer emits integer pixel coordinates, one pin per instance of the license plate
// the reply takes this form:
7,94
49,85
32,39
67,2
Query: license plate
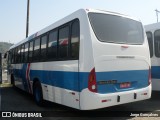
125,85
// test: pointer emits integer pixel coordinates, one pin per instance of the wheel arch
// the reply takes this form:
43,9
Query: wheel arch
34,81
37,84
12,78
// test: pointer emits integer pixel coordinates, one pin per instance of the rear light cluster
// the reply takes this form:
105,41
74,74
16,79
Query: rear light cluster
92,85
149,77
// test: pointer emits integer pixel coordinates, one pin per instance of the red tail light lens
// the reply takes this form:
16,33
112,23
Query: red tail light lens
149,77
92,85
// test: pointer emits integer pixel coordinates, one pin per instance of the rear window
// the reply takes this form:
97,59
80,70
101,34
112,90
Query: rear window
116,29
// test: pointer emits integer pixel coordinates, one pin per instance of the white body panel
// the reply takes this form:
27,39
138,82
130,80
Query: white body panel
61,96
95,100
152,28
113,63
155,84
155,61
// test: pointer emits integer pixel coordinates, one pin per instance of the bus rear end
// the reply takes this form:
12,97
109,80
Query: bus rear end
120,71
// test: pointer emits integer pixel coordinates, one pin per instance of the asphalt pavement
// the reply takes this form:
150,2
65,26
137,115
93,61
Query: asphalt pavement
16,100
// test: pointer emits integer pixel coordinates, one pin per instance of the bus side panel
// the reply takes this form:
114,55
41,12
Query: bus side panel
155,70
19,73
155,61
155,84
59,81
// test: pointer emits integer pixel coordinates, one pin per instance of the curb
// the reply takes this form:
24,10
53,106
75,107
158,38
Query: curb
6,85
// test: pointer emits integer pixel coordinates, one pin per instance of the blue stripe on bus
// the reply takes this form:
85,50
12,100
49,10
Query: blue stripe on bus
69,80
137,79
155,72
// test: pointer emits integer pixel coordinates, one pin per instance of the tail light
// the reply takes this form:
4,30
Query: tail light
149,77
92,85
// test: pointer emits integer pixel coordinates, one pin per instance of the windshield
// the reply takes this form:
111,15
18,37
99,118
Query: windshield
116,29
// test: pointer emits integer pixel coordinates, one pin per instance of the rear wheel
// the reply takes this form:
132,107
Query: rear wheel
37,93
12,80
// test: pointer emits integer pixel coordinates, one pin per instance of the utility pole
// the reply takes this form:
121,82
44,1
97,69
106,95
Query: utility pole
157,14
27,22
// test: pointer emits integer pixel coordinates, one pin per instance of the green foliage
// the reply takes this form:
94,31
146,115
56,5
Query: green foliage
4,46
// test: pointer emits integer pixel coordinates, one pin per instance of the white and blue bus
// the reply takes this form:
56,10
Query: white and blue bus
88,60
153,34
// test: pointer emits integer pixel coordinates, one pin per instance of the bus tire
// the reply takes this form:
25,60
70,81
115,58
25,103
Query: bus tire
12,80
37,94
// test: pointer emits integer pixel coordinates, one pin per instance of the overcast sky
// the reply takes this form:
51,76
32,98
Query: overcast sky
46,12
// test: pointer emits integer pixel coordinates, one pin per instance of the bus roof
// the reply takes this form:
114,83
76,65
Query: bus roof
153,26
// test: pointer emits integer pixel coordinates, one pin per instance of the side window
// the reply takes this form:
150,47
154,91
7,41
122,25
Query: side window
52,45
12,54
19,54
30,54
22,53
157,43
63,42
43,47
75,35
150,42
26,53
9,57
16,55
36,50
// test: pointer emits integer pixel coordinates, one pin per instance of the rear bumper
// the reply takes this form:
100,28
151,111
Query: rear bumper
89,100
